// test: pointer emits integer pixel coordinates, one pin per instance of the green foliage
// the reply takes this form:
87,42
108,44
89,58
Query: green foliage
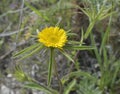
77,74
67,56
37,12
87,86
97,12
107,62
41,88
20,75
25,53
70,87
31,83
81,82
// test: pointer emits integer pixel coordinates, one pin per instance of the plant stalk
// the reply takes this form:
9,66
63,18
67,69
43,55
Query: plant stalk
59,81
50,66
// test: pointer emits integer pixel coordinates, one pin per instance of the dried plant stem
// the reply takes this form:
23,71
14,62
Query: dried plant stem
56,73
20,20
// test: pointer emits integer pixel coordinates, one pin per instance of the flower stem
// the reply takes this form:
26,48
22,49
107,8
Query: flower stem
50,66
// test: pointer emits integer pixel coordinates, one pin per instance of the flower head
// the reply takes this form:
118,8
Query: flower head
53,37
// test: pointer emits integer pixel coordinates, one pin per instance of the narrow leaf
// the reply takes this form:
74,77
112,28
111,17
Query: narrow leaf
41,88
69,87
77,74
97,54
89,29
79,47
106,15
37,12
106,35
72,34
67,55
26,50
32,52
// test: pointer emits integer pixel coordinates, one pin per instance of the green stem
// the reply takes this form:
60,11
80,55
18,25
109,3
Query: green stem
50,66
89,29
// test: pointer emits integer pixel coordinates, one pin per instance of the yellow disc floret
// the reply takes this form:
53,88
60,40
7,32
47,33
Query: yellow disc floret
53,37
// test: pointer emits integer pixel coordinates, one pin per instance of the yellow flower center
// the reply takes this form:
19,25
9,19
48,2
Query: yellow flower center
53,37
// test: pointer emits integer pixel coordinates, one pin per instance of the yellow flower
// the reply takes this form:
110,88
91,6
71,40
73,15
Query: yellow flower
53,37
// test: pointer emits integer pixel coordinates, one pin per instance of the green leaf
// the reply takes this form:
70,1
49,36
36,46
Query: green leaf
105,12
79,47
37,11
50,66
46,90
96,15
74,42
82,38
28,51
77,74
116,72
69,87
103,16
106,35
67,55
72,34
89,29
33,52
97,54
85,11
20,75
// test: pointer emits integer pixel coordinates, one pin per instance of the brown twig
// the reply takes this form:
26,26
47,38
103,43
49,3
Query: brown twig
20,20
12,32
11,12
9,52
